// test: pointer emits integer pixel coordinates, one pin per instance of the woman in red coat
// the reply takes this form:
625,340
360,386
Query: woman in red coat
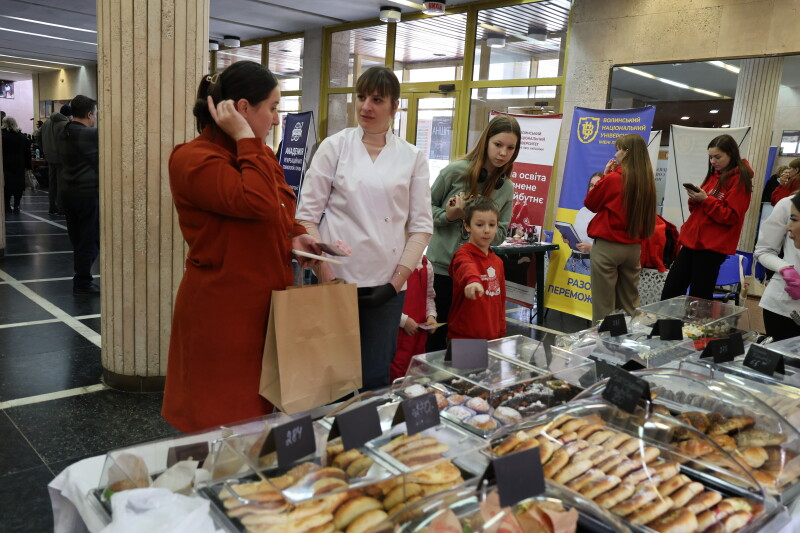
712,230
788,182
236,214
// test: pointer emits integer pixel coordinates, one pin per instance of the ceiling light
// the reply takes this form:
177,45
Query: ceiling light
434,8
40,60
685,118
389,14
213,45
408,3
673,83
495,40
28,65
566,4
369,39
12,71
284,50
726,66
231,41
638,72
537,33
46,36
47,23
726,125
714,111
438,54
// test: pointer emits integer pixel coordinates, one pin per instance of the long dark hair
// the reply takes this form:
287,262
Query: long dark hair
727,144
243,79
638,186
477,156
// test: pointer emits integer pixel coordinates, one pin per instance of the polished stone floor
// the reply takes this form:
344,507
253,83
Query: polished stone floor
55,410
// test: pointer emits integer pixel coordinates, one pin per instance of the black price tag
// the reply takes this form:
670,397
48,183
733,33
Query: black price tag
668,329
763,360
357,426
719,350
625,390
291,441
603,369
419,413
468,353
518,476
614,324
736,343
632,365
188,452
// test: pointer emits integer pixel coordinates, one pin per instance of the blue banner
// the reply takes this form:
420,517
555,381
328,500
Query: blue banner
591,145
292,153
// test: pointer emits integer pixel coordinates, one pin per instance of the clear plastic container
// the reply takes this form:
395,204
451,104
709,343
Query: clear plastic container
789,350
631,465
703,320
483,401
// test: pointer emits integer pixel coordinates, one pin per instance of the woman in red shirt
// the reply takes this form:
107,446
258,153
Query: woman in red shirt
625,202
712,230
788,182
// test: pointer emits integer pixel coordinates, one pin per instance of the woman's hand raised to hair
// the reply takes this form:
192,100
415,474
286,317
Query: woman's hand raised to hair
230,120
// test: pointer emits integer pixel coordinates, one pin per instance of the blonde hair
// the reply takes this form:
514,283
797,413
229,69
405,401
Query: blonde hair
638,186
477,156
10,123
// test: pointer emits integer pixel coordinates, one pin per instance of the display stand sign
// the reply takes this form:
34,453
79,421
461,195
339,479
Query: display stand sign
357,426
518,476
419,413
294,147
625,390
291,441
197,451
668,329
723,350
591,144
764,360
614,325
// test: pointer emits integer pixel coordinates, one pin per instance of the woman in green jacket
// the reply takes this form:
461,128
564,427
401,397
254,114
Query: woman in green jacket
483,171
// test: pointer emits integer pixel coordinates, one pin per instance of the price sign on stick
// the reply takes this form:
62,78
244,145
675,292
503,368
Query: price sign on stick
614,324
625,390
720,350
764,360
419,413
357,426
291,441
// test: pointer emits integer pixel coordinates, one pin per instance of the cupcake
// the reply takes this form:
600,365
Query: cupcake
484,422
414,390
479,405
460,412
507,415
455,399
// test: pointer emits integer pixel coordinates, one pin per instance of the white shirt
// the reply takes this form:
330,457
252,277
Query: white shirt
771,235
371,206
581,225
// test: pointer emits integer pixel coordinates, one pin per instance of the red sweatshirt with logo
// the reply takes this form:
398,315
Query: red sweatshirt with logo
716,223
611,219
484,317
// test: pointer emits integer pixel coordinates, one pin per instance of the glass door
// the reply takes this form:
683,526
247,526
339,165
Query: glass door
431,121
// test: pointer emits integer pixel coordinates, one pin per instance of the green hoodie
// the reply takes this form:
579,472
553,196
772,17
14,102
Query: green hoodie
448,236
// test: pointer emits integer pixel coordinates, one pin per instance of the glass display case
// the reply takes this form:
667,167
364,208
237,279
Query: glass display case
789,350
733,414
637,345
703,320
477,509
483,400
649,468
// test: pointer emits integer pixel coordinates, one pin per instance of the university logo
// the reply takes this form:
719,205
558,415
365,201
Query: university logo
297,132
587,129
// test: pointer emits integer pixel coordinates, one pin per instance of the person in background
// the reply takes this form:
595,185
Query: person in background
624,203
79,190
788,182
584,216
483,171
478,310
782,294
771,184
419,309
236,213
373,189
712,230
16,160
49,133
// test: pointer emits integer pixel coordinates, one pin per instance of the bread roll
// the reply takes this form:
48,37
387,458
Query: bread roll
556,463
675,521
682,496
754,456
625,467
425,454
344,459
575,446
354,508
359,467
572,470
573,425
411,445
644,494
589,429
615,441
615,496
587,453
651,512
444,472
560,421
737,521
728,425
666,488
398,441
600,437
510,443
631,447
601,486
367,521
566,438
324,528
612,462
703,501
588,477
602,456
706,519
401,494
328,484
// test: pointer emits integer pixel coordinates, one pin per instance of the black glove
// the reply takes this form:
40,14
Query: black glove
375,296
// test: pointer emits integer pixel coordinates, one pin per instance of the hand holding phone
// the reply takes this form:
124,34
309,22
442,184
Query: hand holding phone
692,187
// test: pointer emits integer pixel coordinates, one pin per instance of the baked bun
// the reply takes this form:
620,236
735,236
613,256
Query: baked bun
683,495
507,415
755,456
484,422
575,446
668,487
559,459
600,437
328,484
344,459
601,486
612,462
675,521
589,429
354,508
572,470
510,443
367,521
359,467
401,494
703,501
644,494
587,478
615,496
573,425
650,512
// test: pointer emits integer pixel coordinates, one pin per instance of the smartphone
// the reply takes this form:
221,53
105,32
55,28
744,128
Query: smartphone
692,187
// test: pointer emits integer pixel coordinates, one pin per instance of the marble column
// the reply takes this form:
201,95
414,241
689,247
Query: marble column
151,55
756,100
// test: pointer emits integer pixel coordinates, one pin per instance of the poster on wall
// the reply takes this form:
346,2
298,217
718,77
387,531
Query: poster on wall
591,145
441,133
6,89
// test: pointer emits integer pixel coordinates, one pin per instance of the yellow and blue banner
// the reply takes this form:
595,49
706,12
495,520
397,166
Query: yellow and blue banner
591,145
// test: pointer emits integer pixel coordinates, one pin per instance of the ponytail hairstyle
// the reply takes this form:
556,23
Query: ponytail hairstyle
242,80
477,156
638,186
727,144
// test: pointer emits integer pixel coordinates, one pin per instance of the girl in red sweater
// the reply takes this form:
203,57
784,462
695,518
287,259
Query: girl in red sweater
788,182
625,202
478,310
712,230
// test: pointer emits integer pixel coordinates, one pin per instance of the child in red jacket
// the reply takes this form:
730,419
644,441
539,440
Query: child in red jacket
478,310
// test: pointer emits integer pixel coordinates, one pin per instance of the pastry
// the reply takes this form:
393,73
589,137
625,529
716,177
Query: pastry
614,440
694,448
755,456
730,424
399,494
585,479
415,390
703,501
644,494
367,521
344,459
757,437
359,467
601,437
683,495
587,453
558,460
456,399
354,508
615,496
666,488
573,425
479,405
675,521
726,442
588,429
575,446
507,415
460,412
650,512
484,422
510,443
571,471
601,486
441,400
